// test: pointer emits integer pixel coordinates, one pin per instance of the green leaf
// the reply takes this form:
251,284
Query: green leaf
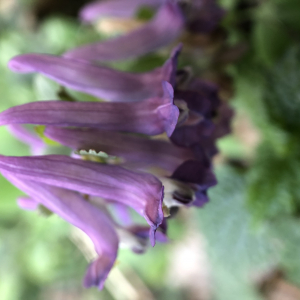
237,251
273,184
270,37
286,233
282,92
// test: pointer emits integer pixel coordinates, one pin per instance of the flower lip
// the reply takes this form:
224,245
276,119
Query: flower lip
196,172
191,135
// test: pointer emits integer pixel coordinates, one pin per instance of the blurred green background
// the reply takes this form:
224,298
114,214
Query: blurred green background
244,244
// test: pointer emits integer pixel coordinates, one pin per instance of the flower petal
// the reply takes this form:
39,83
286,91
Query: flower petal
162,30
143,192
136,151
99,81
114,8
152,116
201,199
76,210
188,136
197,172
136,237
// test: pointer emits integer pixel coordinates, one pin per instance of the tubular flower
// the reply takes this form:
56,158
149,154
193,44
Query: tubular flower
102,82
162,30
207,119
141,191
152,116
72,207
135,151
196,16
116,162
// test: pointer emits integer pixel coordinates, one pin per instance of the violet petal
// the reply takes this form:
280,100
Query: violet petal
188,136
201,199
208,90
152,116
136,151
99,81
76,210
143,192
162,30
197,172
122,214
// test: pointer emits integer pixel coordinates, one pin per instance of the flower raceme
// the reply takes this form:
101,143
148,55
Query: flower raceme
150,174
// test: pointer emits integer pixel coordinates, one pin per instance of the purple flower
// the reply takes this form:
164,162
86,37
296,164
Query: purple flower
114,8
162,30
201,96
99,81
207,119
152,116
134,151
199,176
143,192
105,234
139,105
72,207
190,135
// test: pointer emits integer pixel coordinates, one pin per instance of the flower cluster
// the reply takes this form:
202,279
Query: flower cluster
116,161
